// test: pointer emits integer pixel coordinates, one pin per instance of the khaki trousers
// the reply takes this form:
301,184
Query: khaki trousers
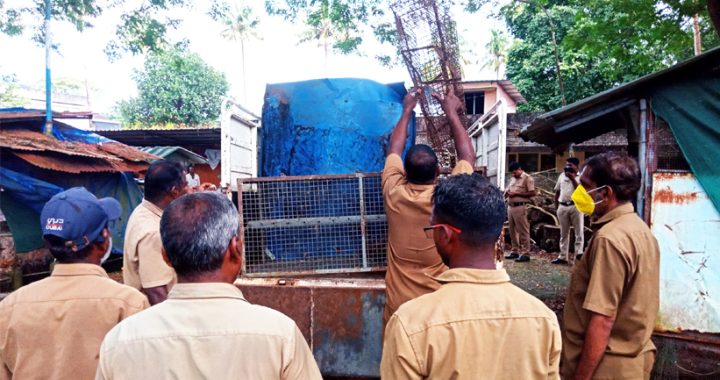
569,216
519,229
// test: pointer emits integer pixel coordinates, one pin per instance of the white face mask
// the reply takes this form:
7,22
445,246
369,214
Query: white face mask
109,249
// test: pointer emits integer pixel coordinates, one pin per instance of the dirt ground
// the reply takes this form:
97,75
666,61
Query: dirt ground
539,277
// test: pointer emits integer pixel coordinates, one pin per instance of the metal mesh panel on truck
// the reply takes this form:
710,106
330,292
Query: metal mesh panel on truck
313,224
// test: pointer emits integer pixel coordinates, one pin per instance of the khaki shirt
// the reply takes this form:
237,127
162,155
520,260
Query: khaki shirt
52,329
521,185
566,187
206,331
476,326
143,265
411,255
618,276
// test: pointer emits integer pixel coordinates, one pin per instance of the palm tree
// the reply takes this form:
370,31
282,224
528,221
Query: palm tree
496,52
321,28
240,26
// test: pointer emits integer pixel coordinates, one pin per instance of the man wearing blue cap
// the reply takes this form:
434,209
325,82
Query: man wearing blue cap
52,329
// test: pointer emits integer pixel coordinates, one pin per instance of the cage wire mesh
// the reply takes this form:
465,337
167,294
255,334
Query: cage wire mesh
428,43
314,224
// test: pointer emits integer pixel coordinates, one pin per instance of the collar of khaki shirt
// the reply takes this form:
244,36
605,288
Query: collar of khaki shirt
200,290
80,269
151,206
615,213
474,276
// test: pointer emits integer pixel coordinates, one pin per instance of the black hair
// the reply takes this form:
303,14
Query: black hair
62,250
515,166
573,160
161,177
196,229
472,204
616,170
421,164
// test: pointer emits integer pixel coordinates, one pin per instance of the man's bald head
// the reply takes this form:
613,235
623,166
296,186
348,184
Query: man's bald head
421,164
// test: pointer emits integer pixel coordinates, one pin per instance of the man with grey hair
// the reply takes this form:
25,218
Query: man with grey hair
205,329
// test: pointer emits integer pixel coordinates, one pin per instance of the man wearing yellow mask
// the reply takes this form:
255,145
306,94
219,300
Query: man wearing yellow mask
613,298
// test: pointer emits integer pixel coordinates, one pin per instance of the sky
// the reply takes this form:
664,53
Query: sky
276,58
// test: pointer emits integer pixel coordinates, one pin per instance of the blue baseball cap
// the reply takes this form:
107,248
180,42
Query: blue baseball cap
77,215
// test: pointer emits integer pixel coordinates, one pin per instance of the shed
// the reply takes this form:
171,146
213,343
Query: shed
671,120
36,166
181,144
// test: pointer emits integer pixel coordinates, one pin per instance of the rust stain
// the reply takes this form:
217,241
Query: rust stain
666,195
72,157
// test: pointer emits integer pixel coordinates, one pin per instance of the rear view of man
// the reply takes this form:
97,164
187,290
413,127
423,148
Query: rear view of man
407,190
613,297
205,329
518,194
143,266
52,329
477,325
568,215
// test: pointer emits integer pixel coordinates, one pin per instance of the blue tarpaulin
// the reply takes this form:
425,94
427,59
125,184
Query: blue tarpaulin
328,126
324,126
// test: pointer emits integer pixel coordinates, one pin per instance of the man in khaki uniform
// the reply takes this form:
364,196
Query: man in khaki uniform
143,266
518,194
205,329
477,325
52,329
567,214
613,298
407,189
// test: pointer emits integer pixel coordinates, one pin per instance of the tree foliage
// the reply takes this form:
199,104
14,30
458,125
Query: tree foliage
8,92
338,23
601,43
141,29
175,88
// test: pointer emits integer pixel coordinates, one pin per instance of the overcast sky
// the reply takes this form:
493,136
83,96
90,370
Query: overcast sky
274,59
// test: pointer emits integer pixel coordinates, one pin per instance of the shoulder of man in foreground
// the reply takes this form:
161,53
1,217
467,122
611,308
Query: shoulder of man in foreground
151,320
420,312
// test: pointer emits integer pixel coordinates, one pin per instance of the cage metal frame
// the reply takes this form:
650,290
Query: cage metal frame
250,184
428,43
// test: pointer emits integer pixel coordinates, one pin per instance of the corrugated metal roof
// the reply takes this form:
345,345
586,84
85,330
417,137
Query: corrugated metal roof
608,110
168,151
18,139
72,157
209,137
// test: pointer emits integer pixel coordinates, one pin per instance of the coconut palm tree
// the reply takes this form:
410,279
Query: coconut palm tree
240,26
321,28
496,52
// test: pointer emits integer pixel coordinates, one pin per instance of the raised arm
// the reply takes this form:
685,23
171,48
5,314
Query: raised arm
463,145
399,134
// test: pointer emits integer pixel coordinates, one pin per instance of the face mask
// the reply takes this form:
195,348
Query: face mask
109,249
583,201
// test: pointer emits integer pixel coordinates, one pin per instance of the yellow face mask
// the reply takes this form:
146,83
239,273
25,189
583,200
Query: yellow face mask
583,201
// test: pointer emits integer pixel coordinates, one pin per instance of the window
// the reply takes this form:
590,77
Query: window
475,103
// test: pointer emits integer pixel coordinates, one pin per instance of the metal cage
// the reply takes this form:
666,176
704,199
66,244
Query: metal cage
428,43
312,224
